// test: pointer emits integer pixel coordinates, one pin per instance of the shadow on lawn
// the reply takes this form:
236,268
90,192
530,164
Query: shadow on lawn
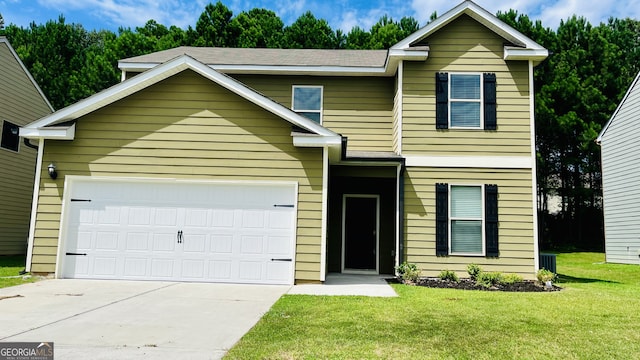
571,279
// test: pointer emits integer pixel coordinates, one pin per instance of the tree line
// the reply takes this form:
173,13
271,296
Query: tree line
577,87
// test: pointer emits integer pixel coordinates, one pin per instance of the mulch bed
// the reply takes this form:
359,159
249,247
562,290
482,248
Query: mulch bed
468,284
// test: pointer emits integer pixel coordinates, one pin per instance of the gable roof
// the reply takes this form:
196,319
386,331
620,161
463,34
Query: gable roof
634,83
45,126
522,47
4,40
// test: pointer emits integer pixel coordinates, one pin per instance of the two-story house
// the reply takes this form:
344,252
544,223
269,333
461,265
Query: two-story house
279,165
22,102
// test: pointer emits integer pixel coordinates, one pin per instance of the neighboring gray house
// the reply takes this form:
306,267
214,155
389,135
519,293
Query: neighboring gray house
21,102
621,179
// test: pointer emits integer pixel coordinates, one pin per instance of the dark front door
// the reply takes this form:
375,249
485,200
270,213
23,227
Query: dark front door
360,232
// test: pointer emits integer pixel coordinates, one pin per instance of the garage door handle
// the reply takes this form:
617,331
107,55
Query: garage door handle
281,260
180,237
284,205
76,254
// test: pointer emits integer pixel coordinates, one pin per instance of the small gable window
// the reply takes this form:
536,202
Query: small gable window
307,101
467,220
466,101
10,137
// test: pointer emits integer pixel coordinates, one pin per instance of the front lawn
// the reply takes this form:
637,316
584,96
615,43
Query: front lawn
596,316
10,268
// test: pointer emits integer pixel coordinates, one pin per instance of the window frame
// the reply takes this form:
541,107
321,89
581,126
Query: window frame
17,148
482,220
302,111
451,100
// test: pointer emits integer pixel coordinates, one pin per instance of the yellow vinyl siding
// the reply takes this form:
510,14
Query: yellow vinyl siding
199,131
20,104
359,108
466,46
515,219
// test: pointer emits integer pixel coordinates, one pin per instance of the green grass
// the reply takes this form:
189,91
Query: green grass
596,316
10,268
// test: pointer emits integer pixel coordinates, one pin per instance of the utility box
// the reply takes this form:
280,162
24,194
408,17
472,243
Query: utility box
548,261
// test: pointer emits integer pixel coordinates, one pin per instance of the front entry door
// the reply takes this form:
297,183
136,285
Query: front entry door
360,233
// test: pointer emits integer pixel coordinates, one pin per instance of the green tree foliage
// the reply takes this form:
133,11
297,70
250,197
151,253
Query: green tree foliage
308,32
257,28
213,26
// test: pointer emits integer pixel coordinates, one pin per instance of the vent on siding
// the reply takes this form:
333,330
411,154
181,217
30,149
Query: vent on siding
548,261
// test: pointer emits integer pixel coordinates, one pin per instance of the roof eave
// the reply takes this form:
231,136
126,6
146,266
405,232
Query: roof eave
51,133
516,53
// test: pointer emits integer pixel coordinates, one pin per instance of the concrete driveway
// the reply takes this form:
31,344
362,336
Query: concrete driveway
111,319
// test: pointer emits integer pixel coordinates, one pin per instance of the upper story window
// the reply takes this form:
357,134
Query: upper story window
10,137
465,105
466,101
307,101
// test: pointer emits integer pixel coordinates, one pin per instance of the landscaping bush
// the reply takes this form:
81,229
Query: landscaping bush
489,279
408,272
448,275
510,279
474,270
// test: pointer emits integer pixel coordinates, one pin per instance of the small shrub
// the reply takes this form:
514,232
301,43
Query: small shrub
408,272
474,270
510,279
489,279
545,275
449,275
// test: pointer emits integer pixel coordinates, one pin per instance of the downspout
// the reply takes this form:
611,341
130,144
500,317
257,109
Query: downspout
28,143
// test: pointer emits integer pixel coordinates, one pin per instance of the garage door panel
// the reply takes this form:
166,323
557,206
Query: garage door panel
216,232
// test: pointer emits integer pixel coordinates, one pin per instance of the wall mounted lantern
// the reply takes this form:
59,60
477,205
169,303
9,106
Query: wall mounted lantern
52,171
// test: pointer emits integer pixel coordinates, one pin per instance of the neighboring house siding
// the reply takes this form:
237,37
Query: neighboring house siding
466,46
620,174
360,108
20,104
515,220
185,127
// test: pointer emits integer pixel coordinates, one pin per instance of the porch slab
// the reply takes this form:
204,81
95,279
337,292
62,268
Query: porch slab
347,285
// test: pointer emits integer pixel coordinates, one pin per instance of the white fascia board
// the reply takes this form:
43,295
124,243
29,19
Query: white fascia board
53,132
615,113
488,162
410,55
24,68
479,14
316,141
516,53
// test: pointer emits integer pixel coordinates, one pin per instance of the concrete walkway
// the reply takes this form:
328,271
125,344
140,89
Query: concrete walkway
112,319
348,284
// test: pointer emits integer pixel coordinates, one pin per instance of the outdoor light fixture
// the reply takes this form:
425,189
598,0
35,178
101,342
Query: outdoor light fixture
52,171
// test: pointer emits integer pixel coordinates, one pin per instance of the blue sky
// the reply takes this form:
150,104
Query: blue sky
341,14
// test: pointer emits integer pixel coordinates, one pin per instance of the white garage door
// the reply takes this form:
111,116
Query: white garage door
179,231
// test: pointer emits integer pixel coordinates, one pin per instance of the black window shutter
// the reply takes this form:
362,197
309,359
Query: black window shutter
490,118
491,220
442,219
442,100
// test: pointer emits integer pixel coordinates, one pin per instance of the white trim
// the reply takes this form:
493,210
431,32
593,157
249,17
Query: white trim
534,180
34,204
54,132
344,238
167,70
24,68
400,94
615,113
451,100
315,141
518,53
325,201
489,162
479,14
399,218
276,69
293,100
450,219
62,232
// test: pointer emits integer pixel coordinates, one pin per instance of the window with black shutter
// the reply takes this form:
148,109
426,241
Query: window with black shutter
466,101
